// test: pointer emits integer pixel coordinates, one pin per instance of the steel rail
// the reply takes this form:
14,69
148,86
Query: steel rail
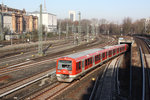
143,74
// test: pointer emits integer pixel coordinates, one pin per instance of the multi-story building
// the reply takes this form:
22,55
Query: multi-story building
30,23
48,20
17,21
72,16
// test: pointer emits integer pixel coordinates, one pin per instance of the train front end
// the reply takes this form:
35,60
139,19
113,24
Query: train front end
64,69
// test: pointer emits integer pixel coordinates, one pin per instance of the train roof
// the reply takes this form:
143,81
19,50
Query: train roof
83,53
91,52
118,45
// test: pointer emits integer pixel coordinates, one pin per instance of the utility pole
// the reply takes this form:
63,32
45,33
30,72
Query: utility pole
93,31
79,27
11,39
1,23
59,29
97,31
45,6
40,34
87,33
73,31
67,29
108,34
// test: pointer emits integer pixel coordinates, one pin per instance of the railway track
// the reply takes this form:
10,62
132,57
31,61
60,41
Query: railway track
107,82
53,92
144,50
53,56
23,55
39,73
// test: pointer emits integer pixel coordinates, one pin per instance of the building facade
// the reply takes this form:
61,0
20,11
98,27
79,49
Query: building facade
17,21
72,16
48,20
7,22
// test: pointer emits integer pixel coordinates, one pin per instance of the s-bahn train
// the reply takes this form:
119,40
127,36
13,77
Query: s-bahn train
71,67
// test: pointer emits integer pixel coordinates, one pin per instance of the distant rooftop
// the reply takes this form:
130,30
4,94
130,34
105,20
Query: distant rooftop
37,12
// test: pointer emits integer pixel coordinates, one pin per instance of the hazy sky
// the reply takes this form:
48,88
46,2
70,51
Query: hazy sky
112,10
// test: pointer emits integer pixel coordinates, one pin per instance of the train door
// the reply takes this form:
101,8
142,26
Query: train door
86,64
103,56
117,50
78,67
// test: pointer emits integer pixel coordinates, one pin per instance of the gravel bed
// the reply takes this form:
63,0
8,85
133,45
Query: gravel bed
83,89
21,74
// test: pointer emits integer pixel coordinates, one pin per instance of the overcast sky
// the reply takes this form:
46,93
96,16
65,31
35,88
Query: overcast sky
112,10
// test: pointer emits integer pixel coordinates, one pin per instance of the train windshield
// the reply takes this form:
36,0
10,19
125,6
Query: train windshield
65,64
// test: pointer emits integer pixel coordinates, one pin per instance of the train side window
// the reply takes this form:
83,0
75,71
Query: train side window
109,53
79,65
121,49
89,61
86,62
99,57
96,57
113,51
103,55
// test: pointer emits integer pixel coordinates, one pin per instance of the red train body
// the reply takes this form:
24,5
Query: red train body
73,66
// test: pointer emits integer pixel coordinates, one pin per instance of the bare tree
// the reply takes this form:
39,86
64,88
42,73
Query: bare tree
127,24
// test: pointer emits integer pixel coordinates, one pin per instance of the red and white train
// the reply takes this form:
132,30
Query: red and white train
73,66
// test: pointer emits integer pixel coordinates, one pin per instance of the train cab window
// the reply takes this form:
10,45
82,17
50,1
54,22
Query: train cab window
64,64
